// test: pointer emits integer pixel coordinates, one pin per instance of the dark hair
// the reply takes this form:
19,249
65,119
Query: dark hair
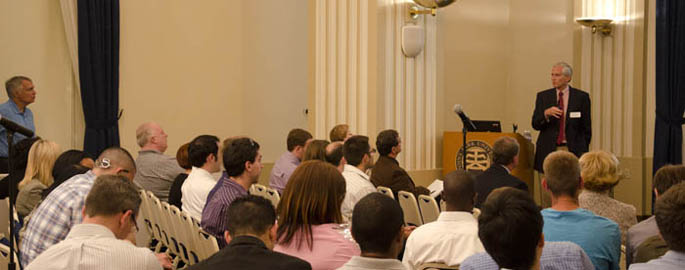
459,189
297,137
670,217
335,156
562,173
316,149
510,227
312,196
200,148
386,140
66,160
376,221
667,176
110,195
182,157
504,150
355,148
63,175
237,153
250,215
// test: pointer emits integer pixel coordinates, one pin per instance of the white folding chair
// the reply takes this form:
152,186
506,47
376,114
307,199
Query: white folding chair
190,228
407,201
475,212
5,257
385,191
155,209
429,208
207,245
260,190
272,195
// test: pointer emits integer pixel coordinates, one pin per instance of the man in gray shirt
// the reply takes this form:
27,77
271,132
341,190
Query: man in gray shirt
156,171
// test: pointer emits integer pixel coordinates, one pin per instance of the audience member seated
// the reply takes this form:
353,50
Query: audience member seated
316,149
20,156
156,171
286,164
101,241
600,174
68,164
650,249
510,226
505,158
377,226
243,164
387,171
599,237
62,209
357,152
454,236
175,191
340,133
250,235
666,177
309,217
334,155
38,176
670,214
203,156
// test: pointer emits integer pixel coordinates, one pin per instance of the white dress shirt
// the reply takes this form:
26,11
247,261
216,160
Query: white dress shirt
449,240
358,185
93,246
195,190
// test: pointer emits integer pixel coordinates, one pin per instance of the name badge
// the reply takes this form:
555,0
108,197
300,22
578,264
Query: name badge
574,115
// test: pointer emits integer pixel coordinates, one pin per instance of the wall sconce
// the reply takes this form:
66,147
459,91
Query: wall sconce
430,5
603,25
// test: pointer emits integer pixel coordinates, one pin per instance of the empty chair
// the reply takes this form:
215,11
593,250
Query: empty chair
429,208
407,201
385,191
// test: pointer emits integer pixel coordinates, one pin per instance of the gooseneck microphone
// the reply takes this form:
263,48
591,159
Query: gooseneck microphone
13,126
464,119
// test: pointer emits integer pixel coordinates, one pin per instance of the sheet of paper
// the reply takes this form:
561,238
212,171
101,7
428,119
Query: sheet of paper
436,188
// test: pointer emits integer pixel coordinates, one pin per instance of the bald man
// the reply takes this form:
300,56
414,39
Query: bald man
454,236
62,208
334,155
156,171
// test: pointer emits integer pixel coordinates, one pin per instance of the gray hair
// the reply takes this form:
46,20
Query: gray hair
504,150
143,133
14,84
567,70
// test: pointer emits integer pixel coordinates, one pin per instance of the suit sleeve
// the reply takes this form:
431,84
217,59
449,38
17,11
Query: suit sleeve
523,186
587,119
539,122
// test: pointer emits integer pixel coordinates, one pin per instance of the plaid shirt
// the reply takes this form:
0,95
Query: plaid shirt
555,256
53,218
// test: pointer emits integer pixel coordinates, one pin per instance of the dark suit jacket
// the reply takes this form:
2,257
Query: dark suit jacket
578,130
388,173
495,177
247,252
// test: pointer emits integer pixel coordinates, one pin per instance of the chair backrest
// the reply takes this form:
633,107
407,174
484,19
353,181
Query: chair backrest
188,239
259,190
207,243
407,201
385,191
5,256
437,266
273,196
429,208
476,213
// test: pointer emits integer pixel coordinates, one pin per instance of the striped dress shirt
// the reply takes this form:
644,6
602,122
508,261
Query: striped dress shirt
93,246
214,213
53,218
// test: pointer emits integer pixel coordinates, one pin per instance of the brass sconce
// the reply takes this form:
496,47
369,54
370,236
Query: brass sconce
603,25
430,5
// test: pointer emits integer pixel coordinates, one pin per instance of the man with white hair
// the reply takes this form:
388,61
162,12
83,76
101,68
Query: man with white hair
156,171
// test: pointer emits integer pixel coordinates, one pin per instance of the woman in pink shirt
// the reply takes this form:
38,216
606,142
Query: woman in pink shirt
309,217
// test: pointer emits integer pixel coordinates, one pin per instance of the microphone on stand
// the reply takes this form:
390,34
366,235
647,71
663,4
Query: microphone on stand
464,119
13,126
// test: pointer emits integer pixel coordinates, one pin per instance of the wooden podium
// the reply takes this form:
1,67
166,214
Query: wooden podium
479,153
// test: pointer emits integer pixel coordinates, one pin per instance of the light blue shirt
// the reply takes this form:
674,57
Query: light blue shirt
555,256
10,111
671,260
599,237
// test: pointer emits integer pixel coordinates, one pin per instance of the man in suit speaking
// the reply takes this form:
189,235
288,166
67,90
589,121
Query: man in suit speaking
562,115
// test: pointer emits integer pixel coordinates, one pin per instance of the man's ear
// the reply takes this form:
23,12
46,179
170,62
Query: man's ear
656,192
273,232
227,237
544,184
83,211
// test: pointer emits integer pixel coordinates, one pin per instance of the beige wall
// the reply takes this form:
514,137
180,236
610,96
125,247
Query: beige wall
32,43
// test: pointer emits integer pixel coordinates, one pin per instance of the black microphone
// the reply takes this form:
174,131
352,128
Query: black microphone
464,119
11,125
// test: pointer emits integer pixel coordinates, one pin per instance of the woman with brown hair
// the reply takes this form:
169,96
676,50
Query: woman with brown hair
315,150
309,217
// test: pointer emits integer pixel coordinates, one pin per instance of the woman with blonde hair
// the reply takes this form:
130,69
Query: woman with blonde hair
309,217
600,173
38,176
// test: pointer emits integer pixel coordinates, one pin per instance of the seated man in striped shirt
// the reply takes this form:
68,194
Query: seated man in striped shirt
100,242
243,164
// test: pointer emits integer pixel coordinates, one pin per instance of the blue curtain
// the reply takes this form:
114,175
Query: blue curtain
98,44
